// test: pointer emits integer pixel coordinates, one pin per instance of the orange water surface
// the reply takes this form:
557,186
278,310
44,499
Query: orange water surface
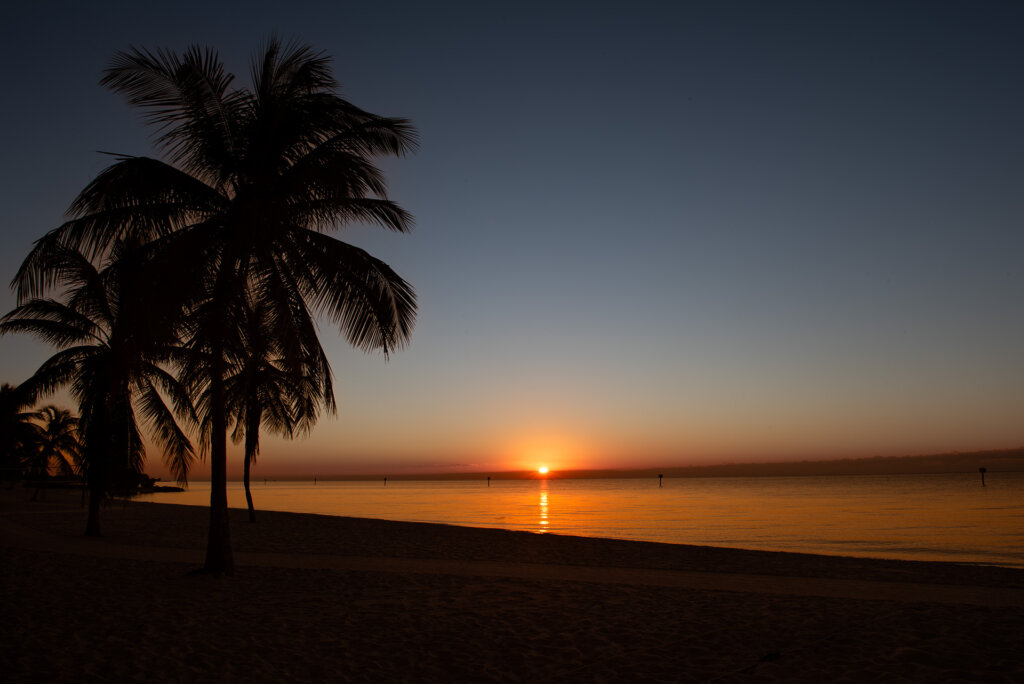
917,517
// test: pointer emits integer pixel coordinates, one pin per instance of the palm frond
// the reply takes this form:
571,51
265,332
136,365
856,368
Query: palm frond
328,212
283,70
59,370
374,136
374,307
144,197
52,322
187,98
51,263
173,388
178,452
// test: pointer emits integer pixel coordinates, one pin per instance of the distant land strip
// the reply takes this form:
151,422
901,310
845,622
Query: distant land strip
994,461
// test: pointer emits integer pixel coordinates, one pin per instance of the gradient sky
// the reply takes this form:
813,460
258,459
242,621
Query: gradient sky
645,235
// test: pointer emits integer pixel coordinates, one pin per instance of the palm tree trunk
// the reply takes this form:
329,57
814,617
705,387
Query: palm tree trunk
96,481
248,493
40,481
96,473
253,418
92,523
219,560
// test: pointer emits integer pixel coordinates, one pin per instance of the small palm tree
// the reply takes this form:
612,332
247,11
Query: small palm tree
268,387
112,334
252,179
57,448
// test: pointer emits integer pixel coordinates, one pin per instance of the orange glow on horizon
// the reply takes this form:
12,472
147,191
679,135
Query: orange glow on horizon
548,449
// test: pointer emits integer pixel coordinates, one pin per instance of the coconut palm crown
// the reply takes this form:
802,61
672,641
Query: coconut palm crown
250,180
58,447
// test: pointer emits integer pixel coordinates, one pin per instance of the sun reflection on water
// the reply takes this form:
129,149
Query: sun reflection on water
543,522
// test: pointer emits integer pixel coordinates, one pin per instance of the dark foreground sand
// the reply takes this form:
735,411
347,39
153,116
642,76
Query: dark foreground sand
318,599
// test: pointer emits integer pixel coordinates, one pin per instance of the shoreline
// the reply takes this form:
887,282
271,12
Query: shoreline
680,516
322,597
146,523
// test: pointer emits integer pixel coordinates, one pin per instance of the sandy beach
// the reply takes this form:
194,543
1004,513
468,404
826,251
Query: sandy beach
319,598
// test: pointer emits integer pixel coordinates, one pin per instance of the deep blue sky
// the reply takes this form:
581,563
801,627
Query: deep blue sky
645,235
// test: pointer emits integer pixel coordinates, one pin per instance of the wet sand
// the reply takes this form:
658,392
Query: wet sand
318,598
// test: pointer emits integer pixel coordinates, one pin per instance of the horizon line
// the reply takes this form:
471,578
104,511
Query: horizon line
999,460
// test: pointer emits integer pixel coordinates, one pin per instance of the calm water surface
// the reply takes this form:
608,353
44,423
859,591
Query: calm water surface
918,517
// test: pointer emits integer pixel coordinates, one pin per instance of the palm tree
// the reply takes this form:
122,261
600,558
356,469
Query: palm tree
112,334
265,386
57,447
251,180
18,432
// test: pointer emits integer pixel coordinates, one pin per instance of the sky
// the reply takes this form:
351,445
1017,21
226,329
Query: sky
646,233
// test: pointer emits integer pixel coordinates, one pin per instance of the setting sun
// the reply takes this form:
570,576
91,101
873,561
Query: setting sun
543,470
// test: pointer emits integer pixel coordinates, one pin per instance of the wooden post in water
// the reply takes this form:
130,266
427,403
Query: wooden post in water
488,480
385,481
982,471
660,475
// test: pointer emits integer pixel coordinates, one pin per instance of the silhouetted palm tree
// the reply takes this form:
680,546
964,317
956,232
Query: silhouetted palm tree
18,433
57,447
112,333
267,387
251,180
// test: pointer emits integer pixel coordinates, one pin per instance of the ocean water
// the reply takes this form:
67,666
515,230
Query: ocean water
948,517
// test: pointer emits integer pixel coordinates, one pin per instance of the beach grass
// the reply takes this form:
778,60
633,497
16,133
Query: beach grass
320,598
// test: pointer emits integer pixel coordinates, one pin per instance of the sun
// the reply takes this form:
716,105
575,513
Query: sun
543,470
